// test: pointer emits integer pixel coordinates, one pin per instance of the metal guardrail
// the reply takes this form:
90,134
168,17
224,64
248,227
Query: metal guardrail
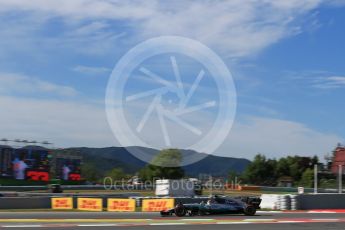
23,188
76,187
295,190
99,195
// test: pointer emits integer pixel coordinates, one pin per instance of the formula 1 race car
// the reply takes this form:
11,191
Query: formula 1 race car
217,205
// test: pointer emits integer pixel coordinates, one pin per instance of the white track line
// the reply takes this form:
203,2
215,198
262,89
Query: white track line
235,222
197,219
269,212
159,224
97,225
321,212
325,219
292,221
258,220
22,226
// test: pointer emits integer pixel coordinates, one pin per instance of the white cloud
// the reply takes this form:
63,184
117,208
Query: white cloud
276,138
331,82
81,9
91,69
336,2
233,27
317,79
80,124
95,38
63,123
23,85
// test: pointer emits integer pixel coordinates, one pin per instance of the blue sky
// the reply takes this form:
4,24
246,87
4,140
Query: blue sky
286,57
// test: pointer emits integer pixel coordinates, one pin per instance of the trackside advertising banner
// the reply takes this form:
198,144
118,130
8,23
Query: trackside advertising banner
157,205
90,204
121,205
62,203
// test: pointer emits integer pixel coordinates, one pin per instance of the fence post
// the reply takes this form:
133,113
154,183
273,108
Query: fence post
340,178
315,178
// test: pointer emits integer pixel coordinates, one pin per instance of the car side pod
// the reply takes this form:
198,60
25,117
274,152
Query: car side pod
166,213
180,210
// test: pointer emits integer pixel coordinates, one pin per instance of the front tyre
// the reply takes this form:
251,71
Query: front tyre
180,210
249,211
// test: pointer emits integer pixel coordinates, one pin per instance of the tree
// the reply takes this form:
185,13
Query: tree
261,171
283,168
298,165
168,158
90,173
264,171
167,165
232,175
307,178
116,174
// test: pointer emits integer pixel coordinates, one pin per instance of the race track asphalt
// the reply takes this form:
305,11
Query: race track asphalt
109,220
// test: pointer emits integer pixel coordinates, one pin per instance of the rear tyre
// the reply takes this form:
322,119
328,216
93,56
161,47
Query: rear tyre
180,210
249,211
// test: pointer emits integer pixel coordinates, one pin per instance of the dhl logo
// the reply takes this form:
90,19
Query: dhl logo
157,205
62,203
121,205
92,204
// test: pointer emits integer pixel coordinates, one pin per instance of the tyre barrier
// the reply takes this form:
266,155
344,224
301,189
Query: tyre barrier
284,202
269,201
278,202
294,203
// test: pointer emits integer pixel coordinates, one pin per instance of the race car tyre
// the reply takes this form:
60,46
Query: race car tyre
249,211
180,210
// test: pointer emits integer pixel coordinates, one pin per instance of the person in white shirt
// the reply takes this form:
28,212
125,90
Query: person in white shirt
66,170
19,167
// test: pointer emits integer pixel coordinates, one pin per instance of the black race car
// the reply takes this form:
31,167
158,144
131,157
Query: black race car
217,205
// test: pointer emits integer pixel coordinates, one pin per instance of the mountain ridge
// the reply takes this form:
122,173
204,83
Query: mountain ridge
107,158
